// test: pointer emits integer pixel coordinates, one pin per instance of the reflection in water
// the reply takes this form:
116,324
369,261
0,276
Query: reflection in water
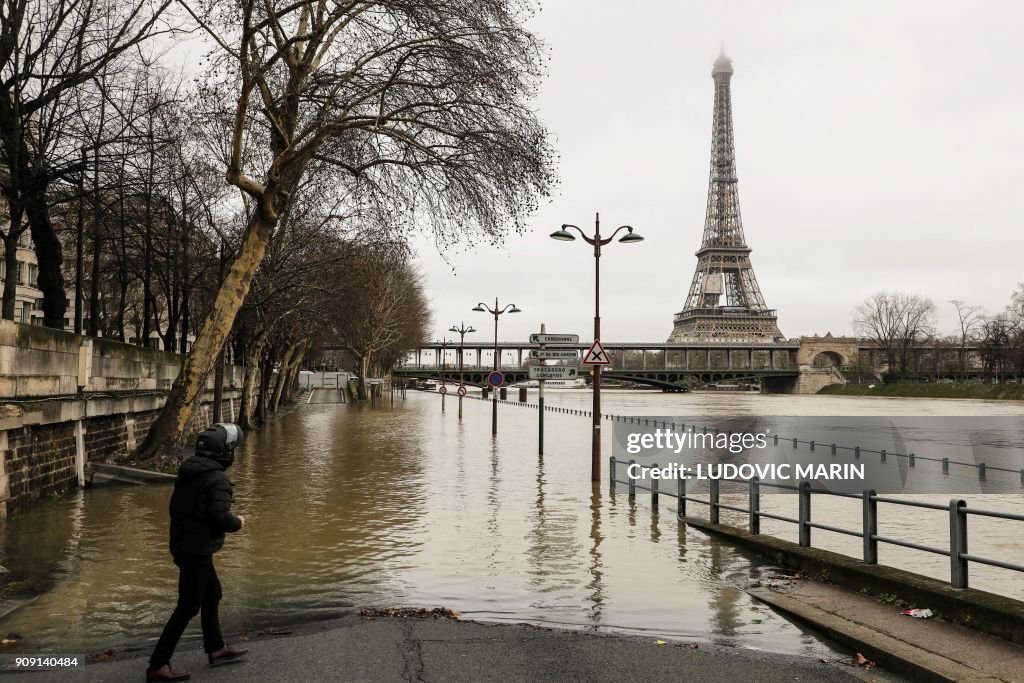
352,506
595,585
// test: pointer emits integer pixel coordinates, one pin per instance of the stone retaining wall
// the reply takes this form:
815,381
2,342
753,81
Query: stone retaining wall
66,400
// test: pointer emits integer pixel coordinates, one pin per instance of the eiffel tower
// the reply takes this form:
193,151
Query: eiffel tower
724,302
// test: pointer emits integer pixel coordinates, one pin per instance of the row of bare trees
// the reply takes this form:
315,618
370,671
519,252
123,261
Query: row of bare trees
903,328
262,202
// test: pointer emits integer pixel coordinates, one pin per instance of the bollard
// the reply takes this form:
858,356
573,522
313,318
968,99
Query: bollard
794,443
870,527
755,506
654,491
833,449
805,514
945,466
856,451
632,482
981,471
957,544
713,508
522,394
680,498
611,474
882,453
503,393
910,460
812,447
775,438
484,392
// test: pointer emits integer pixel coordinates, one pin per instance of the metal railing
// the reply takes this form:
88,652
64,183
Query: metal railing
956,551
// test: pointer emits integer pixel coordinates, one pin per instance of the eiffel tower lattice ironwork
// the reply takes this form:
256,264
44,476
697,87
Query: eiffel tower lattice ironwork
724,302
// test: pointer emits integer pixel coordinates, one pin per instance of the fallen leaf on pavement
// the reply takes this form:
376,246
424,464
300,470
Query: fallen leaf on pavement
861,660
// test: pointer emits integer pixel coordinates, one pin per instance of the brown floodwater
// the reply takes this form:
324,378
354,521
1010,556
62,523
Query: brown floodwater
351,506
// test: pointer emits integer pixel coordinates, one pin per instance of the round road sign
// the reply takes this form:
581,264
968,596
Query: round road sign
442,390
462,391
495,379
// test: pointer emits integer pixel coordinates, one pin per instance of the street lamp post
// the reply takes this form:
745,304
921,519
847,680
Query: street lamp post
596,240
496,311
462,331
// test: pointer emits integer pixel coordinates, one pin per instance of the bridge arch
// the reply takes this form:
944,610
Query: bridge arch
828,359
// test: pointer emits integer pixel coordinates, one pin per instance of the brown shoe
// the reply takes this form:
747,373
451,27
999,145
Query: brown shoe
166,673
225,655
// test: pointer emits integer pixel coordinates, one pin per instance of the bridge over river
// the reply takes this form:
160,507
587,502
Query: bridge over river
791,366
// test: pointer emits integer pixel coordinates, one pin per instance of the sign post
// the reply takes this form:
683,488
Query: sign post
546,372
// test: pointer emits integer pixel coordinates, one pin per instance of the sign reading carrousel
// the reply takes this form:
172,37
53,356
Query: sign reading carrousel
596,355
554,339
495,379
553,372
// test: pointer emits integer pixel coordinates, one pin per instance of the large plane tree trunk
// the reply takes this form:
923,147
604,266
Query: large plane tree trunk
164,440
249,384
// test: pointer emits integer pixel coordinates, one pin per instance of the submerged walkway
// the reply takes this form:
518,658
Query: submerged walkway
414,649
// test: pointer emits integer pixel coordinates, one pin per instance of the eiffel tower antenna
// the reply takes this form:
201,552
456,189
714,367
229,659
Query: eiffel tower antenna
724,301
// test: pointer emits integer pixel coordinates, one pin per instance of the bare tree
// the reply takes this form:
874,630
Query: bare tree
970,319
48,49
896,321
424,102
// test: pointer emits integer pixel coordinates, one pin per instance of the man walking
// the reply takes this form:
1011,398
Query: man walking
200,515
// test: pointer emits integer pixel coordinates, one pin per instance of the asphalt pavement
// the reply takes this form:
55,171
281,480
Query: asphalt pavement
394,649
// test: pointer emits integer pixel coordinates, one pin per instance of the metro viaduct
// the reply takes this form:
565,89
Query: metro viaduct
780,367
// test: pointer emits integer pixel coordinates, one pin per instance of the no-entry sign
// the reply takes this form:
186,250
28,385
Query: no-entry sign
496,379
461,391
442,390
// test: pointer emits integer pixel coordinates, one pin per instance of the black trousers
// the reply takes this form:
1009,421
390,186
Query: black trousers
198,591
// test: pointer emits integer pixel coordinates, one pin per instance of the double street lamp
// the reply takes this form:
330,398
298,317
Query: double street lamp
597,241
462,331
496,311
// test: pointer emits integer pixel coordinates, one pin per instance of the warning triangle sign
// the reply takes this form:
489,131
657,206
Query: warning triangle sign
596,355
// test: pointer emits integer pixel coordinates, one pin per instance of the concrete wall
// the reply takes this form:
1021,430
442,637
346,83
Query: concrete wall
66,400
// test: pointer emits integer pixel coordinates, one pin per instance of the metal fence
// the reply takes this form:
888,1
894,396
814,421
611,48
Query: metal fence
956,551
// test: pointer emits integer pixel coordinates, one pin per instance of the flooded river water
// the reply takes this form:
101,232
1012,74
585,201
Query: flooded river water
351,506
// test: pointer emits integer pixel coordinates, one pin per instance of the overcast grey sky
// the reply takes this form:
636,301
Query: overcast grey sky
879,146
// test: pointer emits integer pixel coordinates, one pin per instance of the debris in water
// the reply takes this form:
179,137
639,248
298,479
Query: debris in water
407,612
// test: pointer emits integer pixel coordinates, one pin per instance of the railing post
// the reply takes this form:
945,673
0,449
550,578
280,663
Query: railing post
870,527
611,474
632,481
856,451
805,514
812,447
957,543
654,489
681,498
910,460
794,442
981,471
883,455
713,509
775,439
833,449
945,465
755,506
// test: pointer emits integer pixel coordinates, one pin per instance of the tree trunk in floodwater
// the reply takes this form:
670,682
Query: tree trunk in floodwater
252,366
165,437
284,370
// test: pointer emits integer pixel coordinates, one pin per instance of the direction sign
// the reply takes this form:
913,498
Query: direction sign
596,355
495,379
553,372
462,391
442,390
554,354
554,339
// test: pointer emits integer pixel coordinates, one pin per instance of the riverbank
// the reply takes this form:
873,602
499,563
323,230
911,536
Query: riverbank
986,392
439,649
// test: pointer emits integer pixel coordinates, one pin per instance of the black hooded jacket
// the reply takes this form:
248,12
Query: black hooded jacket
201,507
